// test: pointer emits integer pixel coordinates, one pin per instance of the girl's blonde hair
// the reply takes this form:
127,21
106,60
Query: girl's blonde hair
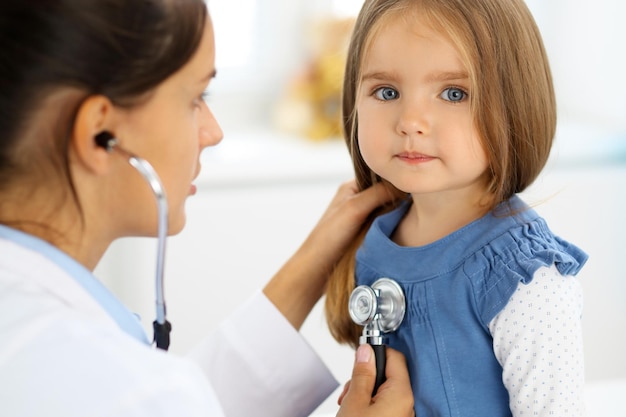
511,98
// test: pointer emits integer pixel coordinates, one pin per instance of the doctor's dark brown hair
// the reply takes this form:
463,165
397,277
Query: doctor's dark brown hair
512,103
121,49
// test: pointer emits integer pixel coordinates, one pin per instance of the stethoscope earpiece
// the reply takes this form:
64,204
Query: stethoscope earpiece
380,309
106,140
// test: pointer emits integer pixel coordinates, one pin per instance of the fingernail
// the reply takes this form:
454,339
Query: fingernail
363,354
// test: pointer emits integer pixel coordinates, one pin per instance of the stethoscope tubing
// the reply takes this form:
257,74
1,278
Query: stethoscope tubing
162,327
380,355
150,175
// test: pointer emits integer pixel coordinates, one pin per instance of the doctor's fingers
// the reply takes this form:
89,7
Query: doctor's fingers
346,387
347,212
358,397
396,370
395,393
394,397
357,205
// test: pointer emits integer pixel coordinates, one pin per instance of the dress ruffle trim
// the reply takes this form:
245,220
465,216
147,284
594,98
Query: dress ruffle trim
514,257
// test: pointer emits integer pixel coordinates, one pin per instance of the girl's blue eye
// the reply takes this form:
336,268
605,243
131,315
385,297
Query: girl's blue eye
386,94
453,94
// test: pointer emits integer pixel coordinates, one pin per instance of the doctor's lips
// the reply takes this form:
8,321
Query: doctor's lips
192,187
414,157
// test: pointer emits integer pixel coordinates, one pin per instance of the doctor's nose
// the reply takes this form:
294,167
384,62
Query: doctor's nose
210,131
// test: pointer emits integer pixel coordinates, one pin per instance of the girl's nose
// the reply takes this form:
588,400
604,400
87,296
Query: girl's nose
413,118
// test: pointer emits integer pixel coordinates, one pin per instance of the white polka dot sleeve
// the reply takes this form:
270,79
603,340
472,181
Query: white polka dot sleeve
537,338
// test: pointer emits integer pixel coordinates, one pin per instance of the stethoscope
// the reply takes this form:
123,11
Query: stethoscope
161,326
379,309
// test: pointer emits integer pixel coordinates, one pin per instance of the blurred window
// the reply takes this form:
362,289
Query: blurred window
260,44
346,8
234,23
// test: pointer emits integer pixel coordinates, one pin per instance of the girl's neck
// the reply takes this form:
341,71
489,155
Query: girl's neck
433,217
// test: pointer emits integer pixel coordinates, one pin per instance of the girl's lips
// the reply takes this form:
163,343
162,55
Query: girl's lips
414,157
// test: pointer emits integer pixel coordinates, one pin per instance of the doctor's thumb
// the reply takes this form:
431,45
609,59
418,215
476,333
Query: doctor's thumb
359,390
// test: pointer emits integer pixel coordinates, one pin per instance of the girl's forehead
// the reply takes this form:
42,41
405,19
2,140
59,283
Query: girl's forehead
408,17
422,25
451,28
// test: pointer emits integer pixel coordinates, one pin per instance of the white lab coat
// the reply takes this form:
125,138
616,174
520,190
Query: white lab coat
61,354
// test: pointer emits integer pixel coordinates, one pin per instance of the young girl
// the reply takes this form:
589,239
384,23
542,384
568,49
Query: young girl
450,104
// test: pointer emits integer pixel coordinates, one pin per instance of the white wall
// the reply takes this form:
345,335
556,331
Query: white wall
586,44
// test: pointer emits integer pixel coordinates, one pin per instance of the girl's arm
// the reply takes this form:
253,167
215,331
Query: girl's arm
537,338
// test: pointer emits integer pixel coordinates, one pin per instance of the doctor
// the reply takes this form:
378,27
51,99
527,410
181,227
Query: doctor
70,70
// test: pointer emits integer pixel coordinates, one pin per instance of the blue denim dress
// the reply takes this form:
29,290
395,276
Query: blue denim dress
454,287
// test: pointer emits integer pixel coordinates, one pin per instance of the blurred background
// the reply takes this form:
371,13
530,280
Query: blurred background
263,188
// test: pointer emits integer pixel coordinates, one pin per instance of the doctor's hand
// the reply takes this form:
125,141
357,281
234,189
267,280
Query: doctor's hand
393,398
301,282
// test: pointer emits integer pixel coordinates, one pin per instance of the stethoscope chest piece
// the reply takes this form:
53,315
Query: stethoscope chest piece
383,302
379,309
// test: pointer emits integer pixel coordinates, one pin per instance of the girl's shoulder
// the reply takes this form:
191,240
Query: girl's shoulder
518,240
517,245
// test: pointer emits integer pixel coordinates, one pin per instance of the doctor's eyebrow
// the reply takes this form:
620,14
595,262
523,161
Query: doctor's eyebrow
209,76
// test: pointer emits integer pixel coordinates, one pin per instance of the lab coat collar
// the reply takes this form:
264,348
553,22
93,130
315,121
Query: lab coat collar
45,265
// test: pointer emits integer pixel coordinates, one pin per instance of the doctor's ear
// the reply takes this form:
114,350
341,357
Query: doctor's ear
91,141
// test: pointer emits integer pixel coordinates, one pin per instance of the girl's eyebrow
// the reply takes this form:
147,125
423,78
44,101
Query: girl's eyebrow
433,77
447,76
378,76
